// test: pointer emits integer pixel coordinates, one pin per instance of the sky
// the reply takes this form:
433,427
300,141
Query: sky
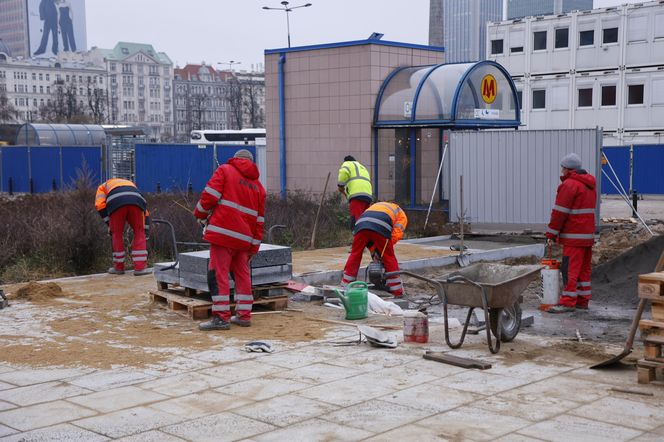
214,31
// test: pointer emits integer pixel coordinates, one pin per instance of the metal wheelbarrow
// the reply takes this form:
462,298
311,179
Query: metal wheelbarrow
496,288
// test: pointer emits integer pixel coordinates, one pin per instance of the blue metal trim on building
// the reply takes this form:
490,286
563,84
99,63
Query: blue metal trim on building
413,113
343,44
383,86
282,126
455,99
413,169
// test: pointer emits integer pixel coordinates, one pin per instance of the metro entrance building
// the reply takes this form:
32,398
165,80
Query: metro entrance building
388,104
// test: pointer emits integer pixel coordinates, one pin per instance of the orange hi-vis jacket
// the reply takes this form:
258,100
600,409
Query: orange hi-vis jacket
387,219
116,193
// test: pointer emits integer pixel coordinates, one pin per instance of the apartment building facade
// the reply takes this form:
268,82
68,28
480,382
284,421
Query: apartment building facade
32,86
598,68
140,87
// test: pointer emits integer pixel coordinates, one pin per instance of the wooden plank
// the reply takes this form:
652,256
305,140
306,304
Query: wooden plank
652,352
651,290
645,324
654,340
657,310
645,375
456,360
654,278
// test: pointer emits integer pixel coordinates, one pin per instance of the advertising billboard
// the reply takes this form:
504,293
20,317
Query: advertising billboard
56,26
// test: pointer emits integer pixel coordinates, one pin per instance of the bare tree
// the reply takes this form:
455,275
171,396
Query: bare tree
8,112
197,107
98,105
251,101
235,101
64,106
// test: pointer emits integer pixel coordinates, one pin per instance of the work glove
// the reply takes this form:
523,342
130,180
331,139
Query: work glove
109,231
203,223
147,232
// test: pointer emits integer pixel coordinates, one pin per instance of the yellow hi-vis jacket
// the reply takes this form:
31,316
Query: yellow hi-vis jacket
355,180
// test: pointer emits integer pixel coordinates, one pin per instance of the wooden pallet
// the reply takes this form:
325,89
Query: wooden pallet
200,308
260,291
649,371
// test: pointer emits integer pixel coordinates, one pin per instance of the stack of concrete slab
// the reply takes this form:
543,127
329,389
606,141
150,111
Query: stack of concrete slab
272,265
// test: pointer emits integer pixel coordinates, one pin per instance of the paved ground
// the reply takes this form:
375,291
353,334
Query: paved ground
650,207
318,391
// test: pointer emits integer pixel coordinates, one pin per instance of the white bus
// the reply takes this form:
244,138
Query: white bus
242,136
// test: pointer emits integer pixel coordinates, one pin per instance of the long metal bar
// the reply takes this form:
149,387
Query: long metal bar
435,187
629,203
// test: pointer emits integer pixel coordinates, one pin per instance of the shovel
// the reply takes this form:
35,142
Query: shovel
632,331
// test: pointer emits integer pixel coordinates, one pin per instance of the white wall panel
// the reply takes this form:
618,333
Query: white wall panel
511,177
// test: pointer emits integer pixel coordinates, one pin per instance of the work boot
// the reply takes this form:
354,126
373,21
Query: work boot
241,322
142,272
560,309
216,323
114,271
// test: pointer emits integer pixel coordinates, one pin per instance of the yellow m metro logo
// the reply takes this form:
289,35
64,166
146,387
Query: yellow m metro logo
489,88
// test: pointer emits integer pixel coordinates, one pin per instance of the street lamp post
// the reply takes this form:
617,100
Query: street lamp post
230,63
287,9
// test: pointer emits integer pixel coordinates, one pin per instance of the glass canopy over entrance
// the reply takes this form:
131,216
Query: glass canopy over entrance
415,108
454,96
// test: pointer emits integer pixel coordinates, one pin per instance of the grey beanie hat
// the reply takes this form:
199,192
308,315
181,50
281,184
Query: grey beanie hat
571,161
244,153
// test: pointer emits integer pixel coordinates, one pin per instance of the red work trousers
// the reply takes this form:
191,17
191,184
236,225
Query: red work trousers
576,270
222,261
384,247
136,219
356,207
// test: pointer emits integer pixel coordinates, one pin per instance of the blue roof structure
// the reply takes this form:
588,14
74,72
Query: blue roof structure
453,96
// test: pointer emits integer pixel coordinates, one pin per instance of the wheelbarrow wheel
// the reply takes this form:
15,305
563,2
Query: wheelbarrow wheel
510,321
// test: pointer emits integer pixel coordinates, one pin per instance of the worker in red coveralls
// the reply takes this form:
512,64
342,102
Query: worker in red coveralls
231,209
573,225
379,228
119,202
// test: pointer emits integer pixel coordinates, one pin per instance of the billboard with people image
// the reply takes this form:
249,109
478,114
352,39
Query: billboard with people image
56,26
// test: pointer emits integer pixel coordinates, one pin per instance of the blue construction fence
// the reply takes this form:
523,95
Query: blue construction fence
647,169
42,169
180,167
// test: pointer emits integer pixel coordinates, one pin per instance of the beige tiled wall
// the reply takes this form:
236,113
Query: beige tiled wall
330,96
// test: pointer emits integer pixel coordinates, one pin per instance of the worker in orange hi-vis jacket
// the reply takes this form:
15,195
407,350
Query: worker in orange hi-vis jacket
379,228
573,225
232,210
119,202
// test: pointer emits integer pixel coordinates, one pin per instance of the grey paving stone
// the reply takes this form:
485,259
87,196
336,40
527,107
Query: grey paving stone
117,398
375,359
35,394
624,412
183,384
6,368
200,404
648,437
223,426
481,382
176,365
527,406
528,370
618,377
127,422
6,431
63,432
295,358
43,415
375,415
283,411
238,371
6,406
345,392
516,437
263,388
565,428
564,387
31,376
6,386
397,378
430,397
468,422
151,436
314,430
224,355
410,432
318,373
434,368
107,379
